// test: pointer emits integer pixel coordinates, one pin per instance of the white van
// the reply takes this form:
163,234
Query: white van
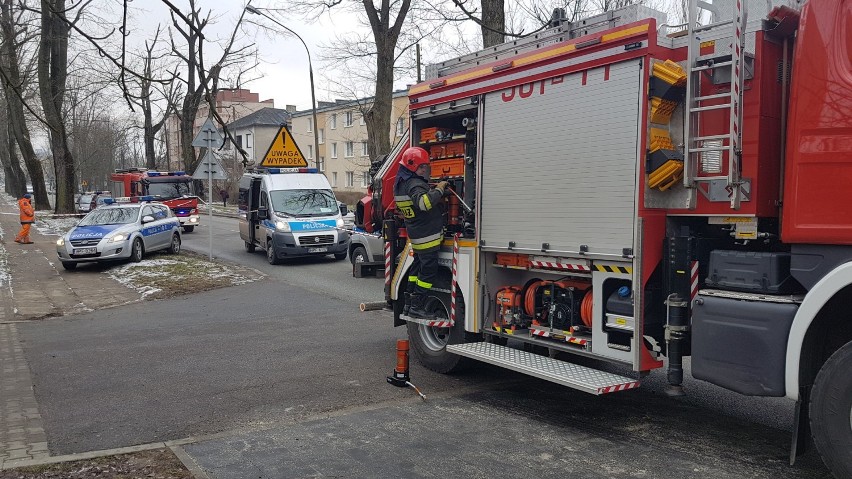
290,212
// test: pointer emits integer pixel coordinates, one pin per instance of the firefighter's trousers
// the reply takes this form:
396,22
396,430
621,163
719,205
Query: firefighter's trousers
423,272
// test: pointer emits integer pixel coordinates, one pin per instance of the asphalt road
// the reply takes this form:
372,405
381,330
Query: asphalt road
322,274
295,374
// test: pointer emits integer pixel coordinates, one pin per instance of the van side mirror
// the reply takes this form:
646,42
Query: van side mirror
263,213
344,210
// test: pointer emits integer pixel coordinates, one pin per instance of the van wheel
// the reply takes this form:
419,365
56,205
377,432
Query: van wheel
249,247
271,257
429,343
138,251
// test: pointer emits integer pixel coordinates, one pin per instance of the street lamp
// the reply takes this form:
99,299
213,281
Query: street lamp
257,11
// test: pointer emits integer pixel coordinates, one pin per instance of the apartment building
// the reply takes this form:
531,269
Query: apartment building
343,153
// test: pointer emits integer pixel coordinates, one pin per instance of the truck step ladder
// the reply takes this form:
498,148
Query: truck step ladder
730,142
567,374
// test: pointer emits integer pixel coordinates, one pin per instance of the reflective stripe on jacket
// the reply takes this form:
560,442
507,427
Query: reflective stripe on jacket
27,211
421,207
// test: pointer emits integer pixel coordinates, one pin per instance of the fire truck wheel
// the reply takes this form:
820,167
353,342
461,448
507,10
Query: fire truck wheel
69,266
138,251
429,343
271,257
174,247
249,247
831,412
188,229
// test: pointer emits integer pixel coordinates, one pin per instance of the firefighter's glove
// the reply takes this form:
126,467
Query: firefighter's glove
442,187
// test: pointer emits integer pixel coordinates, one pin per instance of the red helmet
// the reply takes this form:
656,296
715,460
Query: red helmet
414,157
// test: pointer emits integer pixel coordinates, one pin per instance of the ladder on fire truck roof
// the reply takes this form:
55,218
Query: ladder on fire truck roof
730,142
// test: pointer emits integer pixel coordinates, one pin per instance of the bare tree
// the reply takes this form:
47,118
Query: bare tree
13,31
201,83
52,76
12,171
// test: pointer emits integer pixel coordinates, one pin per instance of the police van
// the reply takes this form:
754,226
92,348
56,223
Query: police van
290,212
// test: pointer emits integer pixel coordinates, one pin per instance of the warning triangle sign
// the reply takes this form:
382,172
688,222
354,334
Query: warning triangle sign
284,152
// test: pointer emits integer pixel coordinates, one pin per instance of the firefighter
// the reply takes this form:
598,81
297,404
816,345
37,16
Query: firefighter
421,206
27,219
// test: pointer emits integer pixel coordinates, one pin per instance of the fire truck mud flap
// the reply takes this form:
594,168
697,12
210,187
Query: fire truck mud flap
567,374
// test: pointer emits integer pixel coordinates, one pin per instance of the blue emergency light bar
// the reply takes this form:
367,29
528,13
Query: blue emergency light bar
178,173
108,201
153,173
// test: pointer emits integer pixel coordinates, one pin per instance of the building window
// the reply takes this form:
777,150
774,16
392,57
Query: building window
400,126
350,178
347,119
321,136
310,125
333,122
321,164
365,179
334,179
248,140
239,142
350,149
311,152
334,150
362,121
364,151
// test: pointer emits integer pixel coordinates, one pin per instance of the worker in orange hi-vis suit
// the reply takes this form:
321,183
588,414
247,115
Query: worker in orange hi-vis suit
27,219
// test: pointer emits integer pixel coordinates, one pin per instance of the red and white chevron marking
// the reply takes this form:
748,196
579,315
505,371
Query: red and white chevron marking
693,281
565,266
455,278
387,263
439,324
618,387
568,339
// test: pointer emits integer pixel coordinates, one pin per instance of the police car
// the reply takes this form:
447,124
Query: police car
120,230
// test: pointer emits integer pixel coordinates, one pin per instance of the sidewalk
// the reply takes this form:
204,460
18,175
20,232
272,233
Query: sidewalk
33,285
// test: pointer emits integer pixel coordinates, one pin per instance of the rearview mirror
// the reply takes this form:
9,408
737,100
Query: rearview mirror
147,219
344,210
263,213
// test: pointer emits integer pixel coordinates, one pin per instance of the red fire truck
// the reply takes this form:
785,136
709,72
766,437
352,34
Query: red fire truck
640,193
173,188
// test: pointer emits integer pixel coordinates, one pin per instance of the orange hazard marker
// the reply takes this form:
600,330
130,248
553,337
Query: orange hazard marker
400,377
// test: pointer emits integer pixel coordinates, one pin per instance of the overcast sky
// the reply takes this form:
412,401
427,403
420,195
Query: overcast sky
283,68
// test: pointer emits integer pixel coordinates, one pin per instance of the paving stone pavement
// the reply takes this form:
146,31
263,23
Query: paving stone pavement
21,434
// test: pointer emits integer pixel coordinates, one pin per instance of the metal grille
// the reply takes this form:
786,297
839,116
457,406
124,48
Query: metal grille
711,161
316,240
85,242
568,374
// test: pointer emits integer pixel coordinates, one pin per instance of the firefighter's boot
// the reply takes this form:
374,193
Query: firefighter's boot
407,306
416,311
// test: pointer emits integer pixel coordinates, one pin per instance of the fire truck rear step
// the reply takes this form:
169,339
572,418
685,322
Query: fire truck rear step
568,374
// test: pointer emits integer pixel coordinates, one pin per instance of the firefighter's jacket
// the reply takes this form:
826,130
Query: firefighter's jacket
422,209
27,211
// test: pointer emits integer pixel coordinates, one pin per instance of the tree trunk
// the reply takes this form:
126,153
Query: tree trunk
14,89
52,74
386,34
493,22
16,182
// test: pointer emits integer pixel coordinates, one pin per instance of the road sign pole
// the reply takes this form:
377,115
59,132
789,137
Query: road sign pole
208,157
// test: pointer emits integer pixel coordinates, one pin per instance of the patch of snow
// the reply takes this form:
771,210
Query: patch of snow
5,276
54,226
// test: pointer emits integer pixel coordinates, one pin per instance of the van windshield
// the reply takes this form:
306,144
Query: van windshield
303,202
